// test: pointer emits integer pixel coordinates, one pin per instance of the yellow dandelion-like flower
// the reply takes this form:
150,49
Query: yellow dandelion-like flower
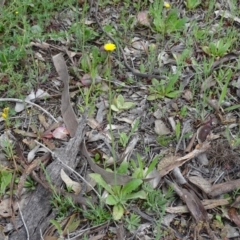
16,12
109,47
167,5
5,113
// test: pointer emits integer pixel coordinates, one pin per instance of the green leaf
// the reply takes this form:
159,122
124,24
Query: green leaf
135,125
131,186
173,94
123,167
232,108
178,130
111,200
172,80
138,173
114,108
153,97
123,139
118,211
155,82
152,165
206,50
120,101
73,226
116,189
5,179
141,194
98,178
140,161
56,225
180,24
127,105
108,28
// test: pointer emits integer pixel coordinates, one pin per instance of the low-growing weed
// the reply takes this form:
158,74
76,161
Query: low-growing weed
119,196
124,138
192,4
132,222
97,214
165,21
164,88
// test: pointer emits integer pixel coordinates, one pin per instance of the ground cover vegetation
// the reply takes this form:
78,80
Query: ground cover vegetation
119,119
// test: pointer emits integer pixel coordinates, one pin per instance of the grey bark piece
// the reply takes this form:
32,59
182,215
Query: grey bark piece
38,211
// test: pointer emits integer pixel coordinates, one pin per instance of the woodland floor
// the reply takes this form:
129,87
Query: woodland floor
120,119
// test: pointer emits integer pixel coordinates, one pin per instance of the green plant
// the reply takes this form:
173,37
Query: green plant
119,104
5,180
191,4
156,201
218,48
63,204
183,111
164,88
89,95
139,170
118,196
223,79
132,222
30,183
124,138
96,214
89,62
70,225
9,149
57,225
165,21
219,218
165,140
178,130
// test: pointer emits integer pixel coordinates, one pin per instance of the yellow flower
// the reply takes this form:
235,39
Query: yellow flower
167,5
16,12
5,113
109,47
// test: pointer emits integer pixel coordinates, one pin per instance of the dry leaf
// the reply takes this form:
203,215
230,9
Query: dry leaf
60,133
87,79
97,237
109,177
233,215
194,205
142,18
69,117
75,186
25,134
168,165
93,123
166,161
222,188
43,121
155,178
49,144
160,128
236,203
5,208
207,203
32,153
188,95
201,183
